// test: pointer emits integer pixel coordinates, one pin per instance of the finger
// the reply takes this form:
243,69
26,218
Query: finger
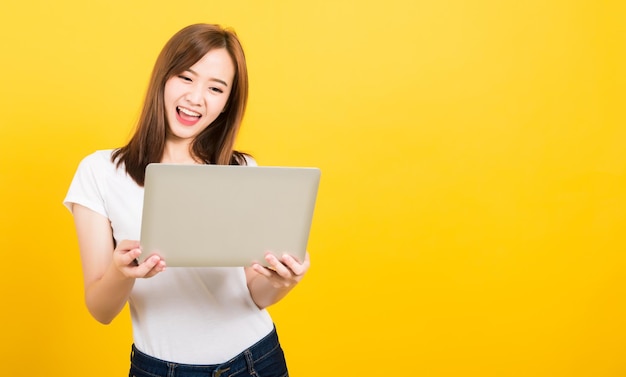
296,267
268,273
130,258
159,267
146,266
262,270
278,266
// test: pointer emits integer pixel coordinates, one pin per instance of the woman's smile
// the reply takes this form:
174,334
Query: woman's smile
187,117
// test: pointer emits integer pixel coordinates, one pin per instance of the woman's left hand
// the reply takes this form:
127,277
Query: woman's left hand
283,272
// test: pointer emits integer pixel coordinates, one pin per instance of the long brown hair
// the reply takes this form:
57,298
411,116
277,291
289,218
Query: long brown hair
214,145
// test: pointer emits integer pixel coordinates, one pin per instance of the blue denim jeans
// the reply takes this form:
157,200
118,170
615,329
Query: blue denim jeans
263,359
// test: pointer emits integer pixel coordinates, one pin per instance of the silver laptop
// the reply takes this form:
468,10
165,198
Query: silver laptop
220,216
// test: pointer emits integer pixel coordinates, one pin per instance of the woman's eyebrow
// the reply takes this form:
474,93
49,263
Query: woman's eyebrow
212,78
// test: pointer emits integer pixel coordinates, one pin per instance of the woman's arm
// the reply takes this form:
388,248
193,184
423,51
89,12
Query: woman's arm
108,273
267,286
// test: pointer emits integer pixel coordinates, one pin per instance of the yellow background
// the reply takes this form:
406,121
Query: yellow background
470,219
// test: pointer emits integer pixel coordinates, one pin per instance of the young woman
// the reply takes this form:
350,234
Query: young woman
186,321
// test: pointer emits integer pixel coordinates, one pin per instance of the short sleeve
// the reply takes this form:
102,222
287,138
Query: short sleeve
87,186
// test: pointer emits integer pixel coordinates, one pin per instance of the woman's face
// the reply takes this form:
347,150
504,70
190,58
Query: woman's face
196,97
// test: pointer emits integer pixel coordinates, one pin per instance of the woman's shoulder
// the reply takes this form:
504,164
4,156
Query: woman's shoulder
250,161
99,160
99,156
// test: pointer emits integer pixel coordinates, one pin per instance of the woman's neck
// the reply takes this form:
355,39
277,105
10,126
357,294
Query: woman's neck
178,153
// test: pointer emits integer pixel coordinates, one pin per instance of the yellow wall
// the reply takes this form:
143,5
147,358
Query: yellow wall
472,208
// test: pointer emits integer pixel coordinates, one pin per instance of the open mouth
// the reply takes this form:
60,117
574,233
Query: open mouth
187,113
186,116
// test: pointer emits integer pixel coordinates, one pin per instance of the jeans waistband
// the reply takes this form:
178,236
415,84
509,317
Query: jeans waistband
245,360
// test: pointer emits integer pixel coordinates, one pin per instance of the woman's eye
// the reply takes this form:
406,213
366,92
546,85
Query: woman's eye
216,90
185,78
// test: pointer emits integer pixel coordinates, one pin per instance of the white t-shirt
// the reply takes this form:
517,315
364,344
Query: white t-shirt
184,315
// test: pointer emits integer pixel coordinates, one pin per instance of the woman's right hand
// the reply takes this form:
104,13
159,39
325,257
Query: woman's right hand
125,260
109,270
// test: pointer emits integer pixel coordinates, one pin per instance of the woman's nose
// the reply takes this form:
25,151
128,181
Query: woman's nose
194,96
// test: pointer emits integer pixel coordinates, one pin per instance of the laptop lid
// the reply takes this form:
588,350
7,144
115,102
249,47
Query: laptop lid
225,215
